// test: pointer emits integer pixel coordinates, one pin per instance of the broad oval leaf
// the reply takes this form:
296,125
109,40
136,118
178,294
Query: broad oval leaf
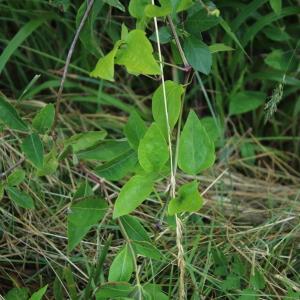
85,140
44,119
134,229
83,215
200,21
10,117
17,294
153,150
113,290
141,61
87,212
136,8
245,101
50,164
122,266
188,199
198,54
196,150
33,149
278,60
106,151
20,198
135,129
174,92
105,67
146,249
167,7
155,292
119,167
16,177
132,194
213,128
163,10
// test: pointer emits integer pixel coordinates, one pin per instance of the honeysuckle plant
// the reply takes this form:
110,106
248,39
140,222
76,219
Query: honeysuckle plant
152,153
169,142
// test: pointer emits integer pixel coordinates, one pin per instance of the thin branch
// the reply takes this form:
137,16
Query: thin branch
68,60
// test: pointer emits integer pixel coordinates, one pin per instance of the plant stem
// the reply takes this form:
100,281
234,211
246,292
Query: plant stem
180,254
178,44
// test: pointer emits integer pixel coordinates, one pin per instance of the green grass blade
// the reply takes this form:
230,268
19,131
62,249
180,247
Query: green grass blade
17,40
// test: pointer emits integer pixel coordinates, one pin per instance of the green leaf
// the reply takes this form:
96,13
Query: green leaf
163,10
248,152
17,40
146,249
155,292
134,229
115,3
16,177
113,290
17,294
232,282
165,35
214,48
278,60
33,149
276,34
82,217
174,93
82,141
153,150
212,128
135,129
87,212
257,280
20,198
50,164
39,294
10,117
200,21
83,190
105,67
119,167
248,294
276,6
188,199
141,61
122,266
124,31
181,5
197,54
87,34
137,8
105,151
196,150
245,101
167,7
44,119
132,194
